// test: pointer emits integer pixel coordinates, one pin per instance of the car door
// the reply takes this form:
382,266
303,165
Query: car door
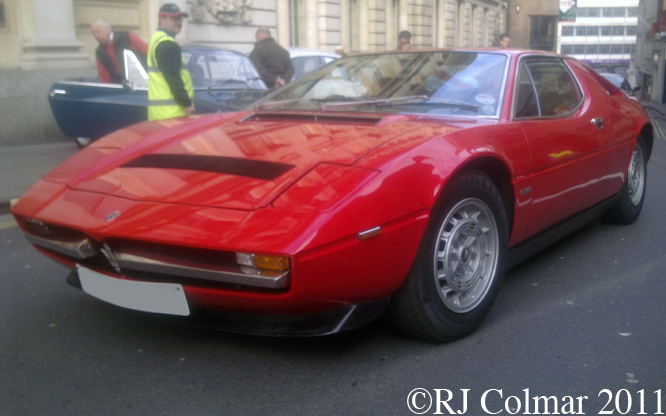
92,109
562,128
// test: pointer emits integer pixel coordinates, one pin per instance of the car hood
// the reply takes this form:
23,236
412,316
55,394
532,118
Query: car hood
239,163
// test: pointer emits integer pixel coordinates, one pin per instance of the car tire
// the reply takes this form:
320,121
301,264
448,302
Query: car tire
632,194
457,272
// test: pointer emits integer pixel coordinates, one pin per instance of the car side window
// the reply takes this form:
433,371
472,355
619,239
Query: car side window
525,102
556,89
134,71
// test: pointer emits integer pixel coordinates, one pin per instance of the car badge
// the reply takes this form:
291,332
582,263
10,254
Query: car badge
112,216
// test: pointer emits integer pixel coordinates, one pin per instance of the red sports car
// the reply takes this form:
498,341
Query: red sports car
402,183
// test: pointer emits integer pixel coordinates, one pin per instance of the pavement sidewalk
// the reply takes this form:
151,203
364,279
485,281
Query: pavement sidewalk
655,108
22,166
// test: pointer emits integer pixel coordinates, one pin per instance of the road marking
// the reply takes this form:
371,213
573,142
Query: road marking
7,224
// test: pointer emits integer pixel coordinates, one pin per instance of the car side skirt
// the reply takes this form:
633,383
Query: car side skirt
528,248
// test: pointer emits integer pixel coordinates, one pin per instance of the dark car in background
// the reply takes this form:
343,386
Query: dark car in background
223,81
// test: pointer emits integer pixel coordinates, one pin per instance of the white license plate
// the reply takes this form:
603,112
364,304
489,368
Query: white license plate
167,298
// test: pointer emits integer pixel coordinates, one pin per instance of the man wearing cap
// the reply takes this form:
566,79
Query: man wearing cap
170,91
109,53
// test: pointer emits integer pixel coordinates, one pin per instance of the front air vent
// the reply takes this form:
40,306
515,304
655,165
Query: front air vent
257,169
314,118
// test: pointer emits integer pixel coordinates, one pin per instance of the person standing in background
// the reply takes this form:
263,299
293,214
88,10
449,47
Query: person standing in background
271,60
504,41
404,40
170,90
109,53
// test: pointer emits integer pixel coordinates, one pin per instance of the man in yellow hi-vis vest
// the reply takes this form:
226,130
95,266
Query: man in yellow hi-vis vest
170,91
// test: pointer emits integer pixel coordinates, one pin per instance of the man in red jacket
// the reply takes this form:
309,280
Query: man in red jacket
109,54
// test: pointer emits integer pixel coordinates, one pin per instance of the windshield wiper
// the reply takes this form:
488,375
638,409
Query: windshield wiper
273,104
220,84
434,101
332,103
383,101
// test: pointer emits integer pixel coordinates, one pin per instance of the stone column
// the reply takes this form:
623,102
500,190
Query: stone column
311,24
49,36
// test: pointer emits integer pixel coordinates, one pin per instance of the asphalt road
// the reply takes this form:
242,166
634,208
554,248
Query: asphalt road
582,322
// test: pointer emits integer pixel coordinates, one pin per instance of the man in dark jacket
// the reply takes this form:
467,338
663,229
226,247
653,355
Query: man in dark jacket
109,54
271,60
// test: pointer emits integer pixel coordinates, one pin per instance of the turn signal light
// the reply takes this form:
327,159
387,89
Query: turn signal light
262,261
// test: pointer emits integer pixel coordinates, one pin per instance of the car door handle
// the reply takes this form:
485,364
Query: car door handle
599,122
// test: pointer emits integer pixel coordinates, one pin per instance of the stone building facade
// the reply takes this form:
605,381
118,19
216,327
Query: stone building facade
46,40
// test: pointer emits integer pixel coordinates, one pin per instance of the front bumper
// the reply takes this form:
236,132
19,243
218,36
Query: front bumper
341,319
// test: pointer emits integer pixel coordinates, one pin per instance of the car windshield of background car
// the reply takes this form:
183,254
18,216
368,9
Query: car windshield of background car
434,83
136,75
208,68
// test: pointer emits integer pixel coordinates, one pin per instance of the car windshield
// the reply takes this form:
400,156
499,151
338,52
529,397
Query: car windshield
208,67
447,83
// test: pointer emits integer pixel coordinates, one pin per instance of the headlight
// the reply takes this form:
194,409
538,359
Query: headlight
262,261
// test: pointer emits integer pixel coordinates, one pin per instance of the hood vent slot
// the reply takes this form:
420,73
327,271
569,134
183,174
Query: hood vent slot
313,118
257,169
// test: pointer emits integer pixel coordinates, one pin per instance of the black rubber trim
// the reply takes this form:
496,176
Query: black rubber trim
325,323
533,245
257,169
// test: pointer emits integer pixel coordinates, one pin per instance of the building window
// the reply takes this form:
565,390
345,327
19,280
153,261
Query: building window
604,49
582,12
591,49
295,20
631,31
607,12
543,30
567,30
579,49
566,49
616,49
580,31
592,31
618,30
629,48
619,11
632,11
593,12
605,30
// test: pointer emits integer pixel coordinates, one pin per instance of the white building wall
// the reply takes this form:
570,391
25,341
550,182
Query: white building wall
602,41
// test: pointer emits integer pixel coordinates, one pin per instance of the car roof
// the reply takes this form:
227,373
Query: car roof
191,48
299,52
512,52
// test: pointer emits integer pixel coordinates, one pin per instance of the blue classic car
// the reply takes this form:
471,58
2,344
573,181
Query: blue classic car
223,81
